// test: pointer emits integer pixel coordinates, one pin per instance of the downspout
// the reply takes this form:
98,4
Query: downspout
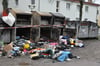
97,22
5,4
38,5
97,15
57,5
80,18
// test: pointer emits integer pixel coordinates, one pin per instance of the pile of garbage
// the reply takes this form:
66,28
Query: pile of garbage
56,50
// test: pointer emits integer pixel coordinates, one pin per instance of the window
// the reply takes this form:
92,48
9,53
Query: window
32,1
97,11
68,5
85,19
16,1
77,19
67,19
78,7
86,8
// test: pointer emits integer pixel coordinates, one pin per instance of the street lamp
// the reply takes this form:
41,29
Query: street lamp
81,7
32,6
80,17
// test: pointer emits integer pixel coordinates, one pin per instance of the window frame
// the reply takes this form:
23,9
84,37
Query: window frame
32,1
68,5
78,7
86,8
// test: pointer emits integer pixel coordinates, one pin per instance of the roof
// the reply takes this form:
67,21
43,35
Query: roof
87,3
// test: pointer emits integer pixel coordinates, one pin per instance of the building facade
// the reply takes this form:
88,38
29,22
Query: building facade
98,17
69,8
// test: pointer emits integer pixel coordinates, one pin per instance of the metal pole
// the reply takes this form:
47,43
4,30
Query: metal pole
80,18
39,5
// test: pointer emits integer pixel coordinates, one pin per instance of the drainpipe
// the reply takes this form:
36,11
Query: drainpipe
97,20
38,5
80,18
57,5
5,4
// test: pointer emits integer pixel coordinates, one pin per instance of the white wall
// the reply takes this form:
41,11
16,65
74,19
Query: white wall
73,13
1,8
40,5
91,14
22,5
11,4
50,6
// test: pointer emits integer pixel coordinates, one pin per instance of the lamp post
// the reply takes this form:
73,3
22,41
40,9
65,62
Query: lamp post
81,7
32,6
5,4
80,17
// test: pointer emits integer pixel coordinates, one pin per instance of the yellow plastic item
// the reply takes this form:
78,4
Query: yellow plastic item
26,46
72,42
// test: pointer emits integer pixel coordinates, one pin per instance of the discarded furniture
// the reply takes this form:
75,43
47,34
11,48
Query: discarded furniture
42,24
58,25
93,30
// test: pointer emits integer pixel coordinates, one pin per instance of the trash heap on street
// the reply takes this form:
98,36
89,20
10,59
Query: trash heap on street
56,50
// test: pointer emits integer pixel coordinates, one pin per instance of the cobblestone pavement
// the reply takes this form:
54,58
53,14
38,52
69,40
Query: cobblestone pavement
90,55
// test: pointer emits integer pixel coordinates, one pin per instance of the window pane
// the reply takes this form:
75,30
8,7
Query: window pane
32,1
68,5
86,8
78,7
16,1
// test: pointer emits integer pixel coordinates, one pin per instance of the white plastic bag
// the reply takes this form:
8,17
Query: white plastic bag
10,19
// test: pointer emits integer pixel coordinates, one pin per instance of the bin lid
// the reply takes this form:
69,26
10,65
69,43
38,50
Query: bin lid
58,15
42,13
17,11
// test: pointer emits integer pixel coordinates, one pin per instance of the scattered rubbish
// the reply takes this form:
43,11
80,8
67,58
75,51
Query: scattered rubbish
57,51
